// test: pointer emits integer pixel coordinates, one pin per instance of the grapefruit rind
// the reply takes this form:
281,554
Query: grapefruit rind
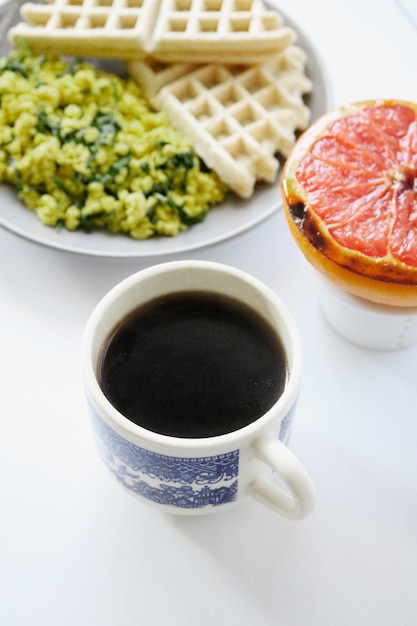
383,280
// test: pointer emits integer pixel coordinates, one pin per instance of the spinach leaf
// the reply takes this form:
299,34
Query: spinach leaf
71,68
15,65
180,160
189,220
78,201
47,126
107,126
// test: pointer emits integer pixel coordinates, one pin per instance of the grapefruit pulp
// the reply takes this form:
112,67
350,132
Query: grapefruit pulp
349,191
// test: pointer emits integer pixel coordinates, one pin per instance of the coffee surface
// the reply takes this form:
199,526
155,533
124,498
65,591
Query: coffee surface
193,364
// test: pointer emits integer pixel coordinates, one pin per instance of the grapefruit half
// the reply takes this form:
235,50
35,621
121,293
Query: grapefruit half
349,191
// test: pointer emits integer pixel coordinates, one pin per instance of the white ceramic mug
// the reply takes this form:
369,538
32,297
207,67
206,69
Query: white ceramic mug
194,476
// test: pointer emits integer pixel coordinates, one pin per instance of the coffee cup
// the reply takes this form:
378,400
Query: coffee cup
186,470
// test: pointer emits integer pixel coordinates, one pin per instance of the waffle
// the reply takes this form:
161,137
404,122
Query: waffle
237,117
101,28
174,31
208,31
153,75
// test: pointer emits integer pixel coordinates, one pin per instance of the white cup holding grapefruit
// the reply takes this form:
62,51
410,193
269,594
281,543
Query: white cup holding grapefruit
366,323
349,191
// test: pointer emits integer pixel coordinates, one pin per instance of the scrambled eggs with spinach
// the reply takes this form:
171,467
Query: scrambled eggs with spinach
85,150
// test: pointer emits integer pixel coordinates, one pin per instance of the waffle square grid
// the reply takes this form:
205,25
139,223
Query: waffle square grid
168,30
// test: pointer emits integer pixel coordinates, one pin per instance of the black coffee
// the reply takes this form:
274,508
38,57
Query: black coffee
193,364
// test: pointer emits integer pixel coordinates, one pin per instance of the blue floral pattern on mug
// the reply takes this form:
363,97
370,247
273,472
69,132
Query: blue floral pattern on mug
286,424
180,482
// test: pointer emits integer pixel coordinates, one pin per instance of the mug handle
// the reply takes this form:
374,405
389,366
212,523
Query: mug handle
298,500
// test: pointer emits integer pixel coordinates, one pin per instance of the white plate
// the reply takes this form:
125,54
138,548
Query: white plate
227,220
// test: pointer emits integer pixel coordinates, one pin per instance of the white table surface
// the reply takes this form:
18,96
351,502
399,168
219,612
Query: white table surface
77,551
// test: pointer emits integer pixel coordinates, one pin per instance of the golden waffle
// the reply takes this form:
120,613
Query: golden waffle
236,117
208,31
102,28
205,31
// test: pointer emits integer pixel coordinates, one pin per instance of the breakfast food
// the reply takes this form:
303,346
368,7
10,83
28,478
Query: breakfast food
109,29
206,31
85,151
209,31
349,189
236,117
235,120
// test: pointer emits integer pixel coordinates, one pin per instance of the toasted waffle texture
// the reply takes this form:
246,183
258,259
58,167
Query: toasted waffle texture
102,28
238,118
174,31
